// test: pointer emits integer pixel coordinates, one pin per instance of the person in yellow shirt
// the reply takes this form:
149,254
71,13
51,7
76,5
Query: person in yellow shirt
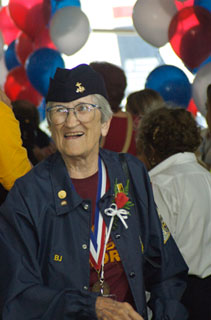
14,162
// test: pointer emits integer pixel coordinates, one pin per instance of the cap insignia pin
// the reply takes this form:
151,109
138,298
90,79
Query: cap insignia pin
80,88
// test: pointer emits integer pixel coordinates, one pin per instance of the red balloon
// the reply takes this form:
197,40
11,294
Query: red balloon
23,47
190,34
28,16
43,40
17,86
47,9
7,26
192,107
183,4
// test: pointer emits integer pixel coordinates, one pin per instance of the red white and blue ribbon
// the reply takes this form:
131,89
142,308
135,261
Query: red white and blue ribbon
97,238
100,235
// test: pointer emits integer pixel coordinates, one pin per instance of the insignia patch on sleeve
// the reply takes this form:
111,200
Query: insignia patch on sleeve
165,230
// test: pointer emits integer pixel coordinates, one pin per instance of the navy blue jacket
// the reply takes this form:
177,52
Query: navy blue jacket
44,247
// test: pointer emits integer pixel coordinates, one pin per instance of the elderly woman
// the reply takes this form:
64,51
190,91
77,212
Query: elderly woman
74,241
168,139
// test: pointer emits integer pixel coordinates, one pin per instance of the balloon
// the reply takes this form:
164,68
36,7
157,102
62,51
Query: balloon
43,39
7,26
200,84
183,4
41,109
1,45
192,107
51,6
46,7
56,5
17,86
172,83
151,20
10,57
41,66
3,73
203,3
69,29
195,70
28,16
23,47
190,34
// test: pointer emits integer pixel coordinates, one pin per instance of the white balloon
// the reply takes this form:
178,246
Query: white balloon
3,73
151,19
69,29
199,86
1,45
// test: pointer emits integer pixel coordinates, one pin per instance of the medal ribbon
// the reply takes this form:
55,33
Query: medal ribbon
97,237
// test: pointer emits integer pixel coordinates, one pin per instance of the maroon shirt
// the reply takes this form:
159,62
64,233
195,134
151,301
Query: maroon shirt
113,270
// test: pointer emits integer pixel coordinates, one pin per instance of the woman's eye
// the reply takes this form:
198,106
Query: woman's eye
82,108
62,110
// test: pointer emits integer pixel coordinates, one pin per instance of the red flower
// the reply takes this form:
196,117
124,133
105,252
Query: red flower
121,199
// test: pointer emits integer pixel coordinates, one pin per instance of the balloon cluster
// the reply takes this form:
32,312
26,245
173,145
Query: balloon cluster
36,34
186,25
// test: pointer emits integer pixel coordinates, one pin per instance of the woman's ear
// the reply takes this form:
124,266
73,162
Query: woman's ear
105,127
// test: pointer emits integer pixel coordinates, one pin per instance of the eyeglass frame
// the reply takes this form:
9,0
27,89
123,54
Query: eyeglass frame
94,107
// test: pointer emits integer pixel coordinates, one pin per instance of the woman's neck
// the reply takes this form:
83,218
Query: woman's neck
81,168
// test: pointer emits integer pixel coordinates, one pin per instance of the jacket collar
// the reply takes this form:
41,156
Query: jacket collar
176,159
66,198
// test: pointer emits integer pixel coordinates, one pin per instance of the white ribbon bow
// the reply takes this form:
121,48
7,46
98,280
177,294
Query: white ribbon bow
122,214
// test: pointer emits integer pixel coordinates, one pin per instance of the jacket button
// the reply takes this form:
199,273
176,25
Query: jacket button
85,288
117,236
84,246
86,206
132,274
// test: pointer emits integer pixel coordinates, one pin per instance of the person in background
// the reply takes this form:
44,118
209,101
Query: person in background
205,147
37,143
168,138
140,102
121,136
14,162
74,240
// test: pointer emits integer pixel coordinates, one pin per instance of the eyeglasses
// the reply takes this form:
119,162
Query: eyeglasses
83,112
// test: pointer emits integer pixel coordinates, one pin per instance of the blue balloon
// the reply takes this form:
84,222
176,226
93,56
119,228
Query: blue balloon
172,83
41,66
195,70
203,3
10,57
58,4
41,109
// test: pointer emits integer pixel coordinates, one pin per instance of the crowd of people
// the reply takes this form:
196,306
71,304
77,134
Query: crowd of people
109,218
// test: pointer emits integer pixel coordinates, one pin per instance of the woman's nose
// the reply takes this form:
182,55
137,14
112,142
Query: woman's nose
71,119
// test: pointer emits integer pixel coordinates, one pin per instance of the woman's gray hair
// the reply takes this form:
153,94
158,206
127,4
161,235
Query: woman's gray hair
104,105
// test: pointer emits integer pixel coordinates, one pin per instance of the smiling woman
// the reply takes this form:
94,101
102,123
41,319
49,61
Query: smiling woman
63,227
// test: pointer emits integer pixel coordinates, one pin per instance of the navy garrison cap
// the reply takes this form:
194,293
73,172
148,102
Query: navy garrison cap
71,84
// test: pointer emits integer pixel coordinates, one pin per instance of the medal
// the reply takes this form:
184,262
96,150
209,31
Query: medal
102,287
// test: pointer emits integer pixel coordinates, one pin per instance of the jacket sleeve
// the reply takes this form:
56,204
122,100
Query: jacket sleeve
23,291
14,161
165,270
